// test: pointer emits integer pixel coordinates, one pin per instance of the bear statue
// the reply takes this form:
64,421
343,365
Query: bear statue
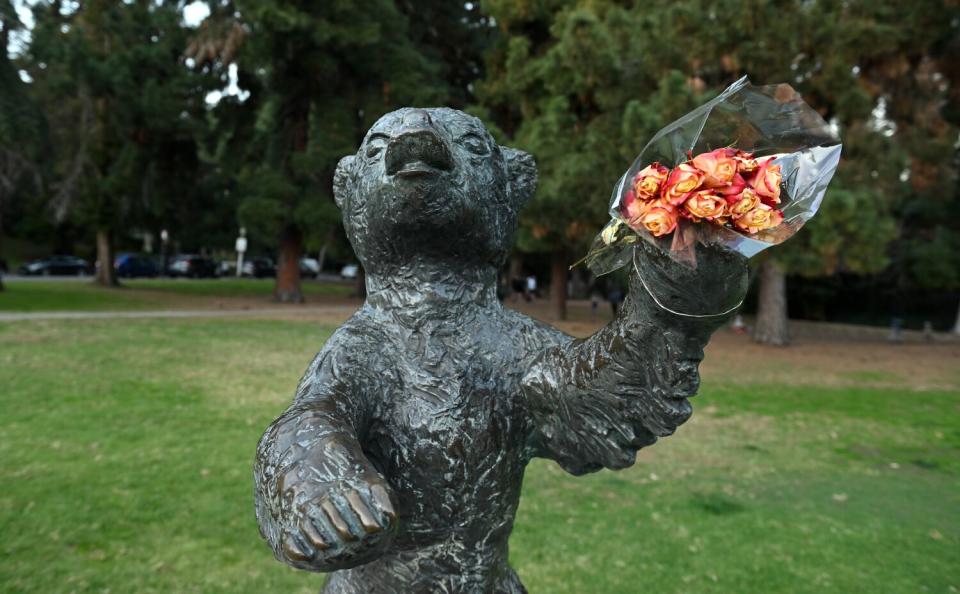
398,467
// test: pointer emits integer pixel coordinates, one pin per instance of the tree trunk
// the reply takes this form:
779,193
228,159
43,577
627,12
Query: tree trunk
516,276
558,283
106,275
772,327
956,325
2,288
287,288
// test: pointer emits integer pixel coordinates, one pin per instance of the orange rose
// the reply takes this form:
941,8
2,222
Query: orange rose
760,218
659,219
766,181
742,203
718,167
705,204
647,183
681,183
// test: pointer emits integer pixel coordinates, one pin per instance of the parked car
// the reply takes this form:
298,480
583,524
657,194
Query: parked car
190,266
259,268
309,267
61,265
133,265
349,271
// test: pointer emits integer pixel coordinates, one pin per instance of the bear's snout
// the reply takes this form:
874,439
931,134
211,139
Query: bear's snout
416,150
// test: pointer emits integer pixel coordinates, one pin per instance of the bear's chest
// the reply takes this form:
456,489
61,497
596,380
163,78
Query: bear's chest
451,430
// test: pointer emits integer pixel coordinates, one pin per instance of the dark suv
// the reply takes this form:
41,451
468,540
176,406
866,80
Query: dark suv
190,266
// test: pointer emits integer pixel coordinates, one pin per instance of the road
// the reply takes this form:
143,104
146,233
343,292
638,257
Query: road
16,278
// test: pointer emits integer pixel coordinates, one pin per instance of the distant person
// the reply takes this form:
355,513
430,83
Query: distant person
531,287
738,325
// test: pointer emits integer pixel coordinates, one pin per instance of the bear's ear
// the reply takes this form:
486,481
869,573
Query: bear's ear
343,180
522,170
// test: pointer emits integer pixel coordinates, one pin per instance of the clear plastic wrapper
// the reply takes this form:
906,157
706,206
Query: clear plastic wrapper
769,124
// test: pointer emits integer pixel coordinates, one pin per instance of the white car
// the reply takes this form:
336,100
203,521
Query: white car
349,271
309,267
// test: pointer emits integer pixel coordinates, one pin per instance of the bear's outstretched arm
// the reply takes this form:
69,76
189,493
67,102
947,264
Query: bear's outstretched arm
320,503
594,402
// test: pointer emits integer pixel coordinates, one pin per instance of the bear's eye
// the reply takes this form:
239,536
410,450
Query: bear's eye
475,144
376,144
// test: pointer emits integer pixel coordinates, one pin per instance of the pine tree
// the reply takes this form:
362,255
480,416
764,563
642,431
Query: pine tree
22,126
319,74
583,84
123,111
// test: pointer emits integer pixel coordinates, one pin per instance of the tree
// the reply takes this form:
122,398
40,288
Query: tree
566,84
22,126
583,79
319,75
123,109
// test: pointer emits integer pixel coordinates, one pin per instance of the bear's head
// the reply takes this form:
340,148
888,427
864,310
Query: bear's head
432,185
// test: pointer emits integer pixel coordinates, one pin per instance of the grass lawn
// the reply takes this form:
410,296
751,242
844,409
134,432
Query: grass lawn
126,451
30,296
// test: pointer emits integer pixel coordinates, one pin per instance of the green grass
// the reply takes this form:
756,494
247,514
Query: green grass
126,453
33,296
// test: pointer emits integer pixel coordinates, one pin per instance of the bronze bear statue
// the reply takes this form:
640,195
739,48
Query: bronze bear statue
399,464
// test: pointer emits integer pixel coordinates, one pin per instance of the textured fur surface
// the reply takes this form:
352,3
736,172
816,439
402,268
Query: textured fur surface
398,466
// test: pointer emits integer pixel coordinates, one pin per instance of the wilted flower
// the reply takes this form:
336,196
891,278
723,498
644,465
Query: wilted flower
745,162
609,233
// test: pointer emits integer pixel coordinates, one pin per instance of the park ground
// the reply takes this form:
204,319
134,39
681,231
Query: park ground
126,451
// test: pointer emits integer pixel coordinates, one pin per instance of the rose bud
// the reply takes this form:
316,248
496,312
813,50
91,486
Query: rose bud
681,182
647,183
718,167
742,203
659,219
766,181
705,204
760,218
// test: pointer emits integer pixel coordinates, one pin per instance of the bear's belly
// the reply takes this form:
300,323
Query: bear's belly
453,453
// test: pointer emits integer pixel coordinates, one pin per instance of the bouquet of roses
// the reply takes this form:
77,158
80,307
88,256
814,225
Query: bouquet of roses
746,170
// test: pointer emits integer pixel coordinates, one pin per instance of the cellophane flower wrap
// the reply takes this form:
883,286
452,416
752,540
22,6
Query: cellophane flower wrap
745,170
